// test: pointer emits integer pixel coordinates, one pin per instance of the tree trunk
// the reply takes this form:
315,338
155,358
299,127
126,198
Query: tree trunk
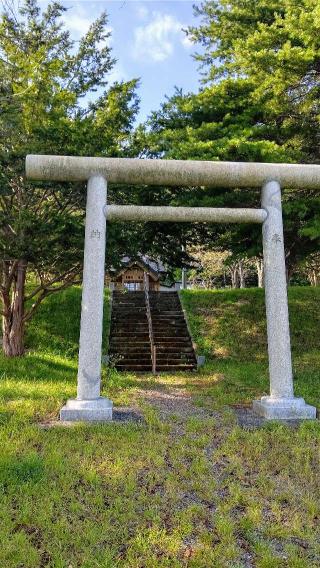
13,312
313,278
260,272
241,274
234,276
289,272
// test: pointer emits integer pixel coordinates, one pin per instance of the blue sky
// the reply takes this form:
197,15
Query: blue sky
148,42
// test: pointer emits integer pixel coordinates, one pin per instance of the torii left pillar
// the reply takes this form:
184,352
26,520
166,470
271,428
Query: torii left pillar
89,405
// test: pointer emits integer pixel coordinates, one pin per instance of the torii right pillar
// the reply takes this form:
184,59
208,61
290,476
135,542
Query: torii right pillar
281,404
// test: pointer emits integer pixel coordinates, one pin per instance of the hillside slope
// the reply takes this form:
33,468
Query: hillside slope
229,328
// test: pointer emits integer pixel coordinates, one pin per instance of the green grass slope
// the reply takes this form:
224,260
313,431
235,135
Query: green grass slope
229,328
204,494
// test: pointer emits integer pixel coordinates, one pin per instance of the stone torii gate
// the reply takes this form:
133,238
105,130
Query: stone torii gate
89,405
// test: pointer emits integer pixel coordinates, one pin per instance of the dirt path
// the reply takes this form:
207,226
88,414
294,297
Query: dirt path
171,400
175,405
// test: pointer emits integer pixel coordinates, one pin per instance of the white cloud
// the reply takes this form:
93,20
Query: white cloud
142,12
186,42
156,40
78,20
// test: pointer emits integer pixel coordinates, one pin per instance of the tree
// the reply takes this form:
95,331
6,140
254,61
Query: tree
210,269
44,80
275,45
260,102
311,268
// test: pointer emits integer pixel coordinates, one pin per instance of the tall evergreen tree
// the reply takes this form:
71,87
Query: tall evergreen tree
259,102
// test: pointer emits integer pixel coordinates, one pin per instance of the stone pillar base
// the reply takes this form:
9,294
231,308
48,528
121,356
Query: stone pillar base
284,408
96,410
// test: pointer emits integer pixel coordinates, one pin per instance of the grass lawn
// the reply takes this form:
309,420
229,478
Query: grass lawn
185,487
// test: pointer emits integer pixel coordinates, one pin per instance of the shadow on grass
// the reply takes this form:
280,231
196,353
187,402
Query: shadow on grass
35,367
23,469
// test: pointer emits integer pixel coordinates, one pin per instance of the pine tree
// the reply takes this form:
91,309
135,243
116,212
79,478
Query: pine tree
260,64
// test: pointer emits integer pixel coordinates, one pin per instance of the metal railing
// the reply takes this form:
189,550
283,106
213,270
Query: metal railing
153,347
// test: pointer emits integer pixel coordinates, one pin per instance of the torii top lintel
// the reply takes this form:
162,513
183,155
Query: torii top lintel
172,172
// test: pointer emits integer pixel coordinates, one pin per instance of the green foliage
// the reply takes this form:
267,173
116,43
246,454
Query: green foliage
274,44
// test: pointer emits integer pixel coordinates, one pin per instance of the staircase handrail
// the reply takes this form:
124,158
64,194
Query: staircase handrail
147,300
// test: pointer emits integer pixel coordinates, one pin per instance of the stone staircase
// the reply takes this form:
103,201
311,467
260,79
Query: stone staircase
129,342
174,349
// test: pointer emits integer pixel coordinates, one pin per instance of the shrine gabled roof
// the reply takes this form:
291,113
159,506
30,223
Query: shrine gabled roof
155,265
143,265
